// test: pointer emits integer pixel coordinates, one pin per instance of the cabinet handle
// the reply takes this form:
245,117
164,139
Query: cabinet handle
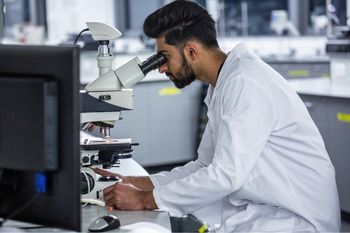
309,104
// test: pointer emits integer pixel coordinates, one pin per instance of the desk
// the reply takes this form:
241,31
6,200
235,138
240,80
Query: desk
90,212
126,167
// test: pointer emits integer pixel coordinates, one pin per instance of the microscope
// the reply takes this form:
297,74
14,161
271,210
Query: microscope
102,103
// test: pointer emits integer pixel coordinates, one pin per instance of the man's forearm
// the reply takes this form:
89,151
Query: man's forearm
141,182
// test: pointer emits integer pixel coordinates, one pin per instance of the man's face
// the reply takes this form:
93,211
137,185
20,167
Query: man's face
176,66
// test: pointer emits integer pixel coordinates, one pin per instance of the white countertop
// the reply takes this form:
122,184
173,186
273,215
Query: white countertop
131,221
321,87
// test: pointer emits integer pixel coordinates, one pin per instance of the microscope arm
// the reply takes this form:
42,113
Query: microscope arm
126,75
104,99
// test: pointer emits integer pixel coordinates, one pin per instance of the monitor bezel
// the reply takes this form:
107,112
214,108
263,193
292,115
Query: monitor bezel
60,207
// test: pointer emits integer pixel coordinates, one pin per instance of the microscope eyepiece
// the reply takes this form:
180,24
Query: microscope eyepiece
152,63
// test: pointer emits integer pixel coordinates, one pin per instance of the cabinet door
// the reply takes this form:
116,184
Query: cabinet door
332,117
164,121
339,144
317,107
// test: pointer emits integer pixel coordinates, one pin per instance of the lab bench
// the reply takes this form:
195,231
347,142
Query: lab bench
131,221
145,219
329,107
294,68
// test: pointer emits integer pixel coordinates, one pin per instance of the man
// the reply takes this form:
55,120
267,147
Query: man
261,154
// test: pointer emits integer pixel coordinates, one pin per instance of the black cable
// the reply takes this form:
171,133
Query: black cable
76,39
25,206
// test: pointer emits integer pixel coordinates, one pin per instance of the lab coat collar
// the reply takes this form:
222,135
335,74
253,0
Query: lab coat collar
237,52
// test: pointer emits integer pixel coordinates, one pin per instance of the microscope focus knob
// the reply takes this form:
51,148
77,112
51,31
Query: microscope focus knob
85,159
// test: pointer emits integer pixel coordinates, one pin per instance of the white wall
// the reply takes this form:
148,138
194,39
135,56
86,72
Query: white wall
69,16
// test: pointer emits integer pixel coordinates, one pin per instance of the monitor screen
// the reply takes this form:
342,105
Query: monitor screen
39,135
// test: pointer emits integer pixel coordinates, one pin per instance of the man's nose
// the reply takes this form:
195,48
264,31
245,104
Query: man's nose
163,68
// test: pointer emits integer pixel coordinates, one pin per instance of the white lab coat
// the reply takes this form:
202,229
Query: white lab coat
261,155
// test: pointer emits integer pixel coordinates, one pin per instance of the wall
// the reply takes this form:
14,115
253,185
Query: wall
69,16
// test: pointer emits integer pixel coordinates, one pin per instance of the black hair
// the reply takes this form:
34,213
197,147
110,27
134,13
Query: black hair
180,21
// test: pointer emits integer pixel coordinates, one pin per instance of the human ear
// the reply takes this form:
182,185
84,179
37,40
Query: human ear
191,50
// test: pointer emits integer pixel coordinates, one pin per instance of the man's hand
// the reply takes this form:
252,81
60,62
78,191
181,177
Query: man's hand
124,196
141,182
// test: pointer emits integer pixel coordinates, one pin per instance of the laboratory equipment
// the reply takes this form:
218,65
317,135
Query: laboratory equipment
338,48
39,136
281,24
105,98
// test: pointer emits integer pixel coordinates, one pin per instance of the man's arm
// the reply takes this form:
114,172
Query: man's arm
205,157
242,131
141,182
124,196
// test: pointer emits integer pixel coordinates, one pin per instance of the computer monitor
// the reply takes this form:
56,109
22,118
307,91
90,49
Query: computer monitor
39,135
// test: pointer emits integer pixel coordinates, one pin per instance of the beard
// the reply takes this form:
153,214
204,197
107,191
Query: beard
185,76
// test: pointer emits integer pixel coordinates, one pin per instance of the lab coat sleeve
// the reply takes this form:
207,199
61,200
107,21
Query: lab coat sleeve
205,157
243,129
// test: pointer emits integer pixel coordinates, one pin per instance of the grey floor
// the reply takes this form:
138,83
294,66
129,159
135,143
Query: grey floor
152,170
